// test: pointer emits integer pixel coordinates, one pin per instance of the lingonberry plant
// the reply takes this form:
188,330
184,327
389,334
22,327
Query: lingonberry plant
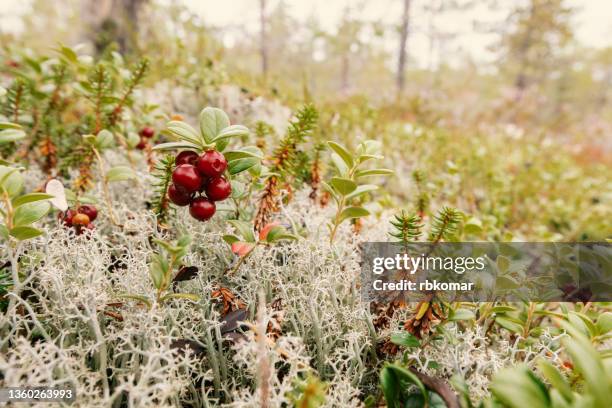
244,241
161,271
203,172
344,187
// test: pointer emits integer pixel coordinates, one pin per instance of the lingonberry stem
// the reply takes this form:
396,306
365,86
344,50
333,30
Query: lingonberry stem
107,197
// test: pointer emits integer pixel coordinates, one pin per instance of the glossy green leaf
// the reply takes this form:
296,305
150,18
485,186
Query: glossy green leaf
9,125
240,165
405,339
519,388
243,153
343,186
462,314
231,238
25,232
120,173
31,197
555,379
104,139
4,232
184,132
373,172
363,189
231,131
157,270
604,323
245,229
509,324
340,164
344,154
212,122
11,180
29,213
177,145
353,212
11,135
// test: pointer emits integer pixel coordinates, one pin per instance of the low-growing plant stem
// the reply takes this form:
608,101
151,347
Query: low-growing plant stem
105,190
336,220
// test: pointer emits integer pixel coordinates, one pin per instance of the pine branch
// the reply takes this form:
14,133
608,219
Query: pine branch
99,87
406,228
286,154
163,176
422,203
285,162
16,99
136,78
444,224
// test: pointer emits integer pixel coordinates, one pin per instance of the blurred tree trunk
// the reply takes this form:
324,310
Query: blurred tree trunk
401,60
344,73
113,21
263,46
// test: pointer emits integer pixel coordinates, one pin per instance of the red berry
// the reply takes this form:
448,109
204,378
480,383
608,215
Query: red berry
218,189
90,211
147,132
211,163
186,177
202,208
178,196
186,157
66,217
80,219
142,144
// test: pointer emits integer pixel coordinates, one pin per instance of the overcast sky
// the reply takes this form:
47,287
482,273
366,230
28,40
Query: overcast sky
592,23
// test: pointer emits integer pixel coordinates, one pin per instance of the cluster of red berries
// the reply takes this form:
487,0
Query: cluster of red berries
80,219
195,175
145,133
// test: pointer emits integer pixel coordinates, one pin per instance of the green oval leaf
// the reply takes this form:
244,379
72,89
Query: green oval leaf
212,122
405,339
11,135
344,154
177,145
353,212
343,186
22,233
373,172
231,131
30,212
11,180
366,188
240,165
104,139
244,228
120,173
29,198
184,132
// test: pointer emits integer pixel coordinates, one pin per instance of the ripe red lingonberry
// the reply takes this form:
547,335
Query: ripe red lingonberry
218,188
90,211
142,144
80,219
201,208
178,196
147,132
66,217
186,177
211,163
186,157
